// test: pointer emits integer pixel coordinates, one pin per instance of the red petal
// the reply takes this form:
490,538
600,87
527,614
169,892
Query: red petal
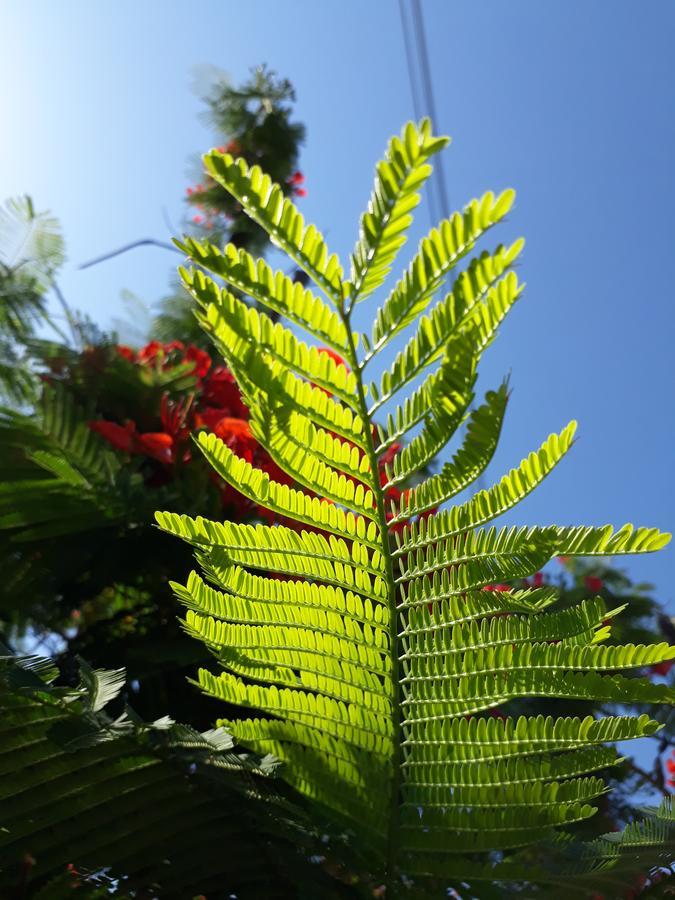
122,437
157,445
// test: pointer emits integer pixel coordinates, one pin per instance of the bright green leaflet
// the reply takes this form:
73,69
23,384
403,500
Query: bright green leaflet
377,661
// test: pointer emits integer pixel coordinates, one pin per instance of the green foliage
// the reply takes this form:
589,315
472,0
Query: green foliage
66,461
254,120
374,669
30,242
31,251
87,786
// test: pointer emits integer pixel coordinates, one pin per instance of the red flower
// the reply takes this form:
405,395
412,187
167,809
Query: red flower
500,588
157,445
593,583
198,219
234,147
393,493
300,192
156,350
126,352
122,437
297,178
209,417
670,768
221,391
664,667
236,433
175,417
201,359
538,579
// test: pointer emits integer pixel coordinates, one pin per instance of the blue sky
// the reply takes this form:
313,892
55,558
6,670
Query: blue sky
569,102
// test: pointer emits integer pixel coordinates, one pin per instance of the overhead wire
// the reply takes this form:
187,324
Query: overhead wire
424,103
430,103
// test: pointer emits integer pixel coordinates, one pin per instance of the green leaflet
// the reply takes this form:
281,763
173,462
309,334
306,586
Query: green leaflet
226,315
471,459
287,501
488,504
399,177
479,290
439,253
273,289
360,637
234,327
264,201
302,453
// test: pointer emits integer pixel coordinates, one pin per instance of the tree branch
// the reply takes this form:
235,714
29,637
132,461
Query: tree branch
143,242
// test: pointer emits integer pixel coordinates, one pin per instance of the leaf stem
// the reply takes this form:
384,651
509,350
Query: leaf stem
378,492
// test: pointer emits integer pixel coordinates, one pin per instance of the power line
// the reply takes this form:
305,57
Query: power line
421,86
430,103
409,55
417,91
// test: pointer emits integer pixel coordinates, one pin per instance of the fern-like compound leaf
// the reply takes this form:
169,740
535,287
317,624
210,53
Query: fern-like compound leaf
361,638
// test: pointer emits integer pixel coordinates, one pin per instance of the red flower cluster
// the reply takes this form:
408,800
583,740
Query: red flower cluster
216,405
670,769
234,148
126,438
160,355
295,183
220,398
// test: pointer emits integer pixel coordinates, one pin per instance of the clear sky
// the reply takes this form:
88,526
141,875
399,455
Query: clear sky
572,103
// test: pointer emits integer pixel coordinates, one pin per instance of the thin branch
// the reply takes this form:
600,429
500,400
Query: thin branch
70,318
144,242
